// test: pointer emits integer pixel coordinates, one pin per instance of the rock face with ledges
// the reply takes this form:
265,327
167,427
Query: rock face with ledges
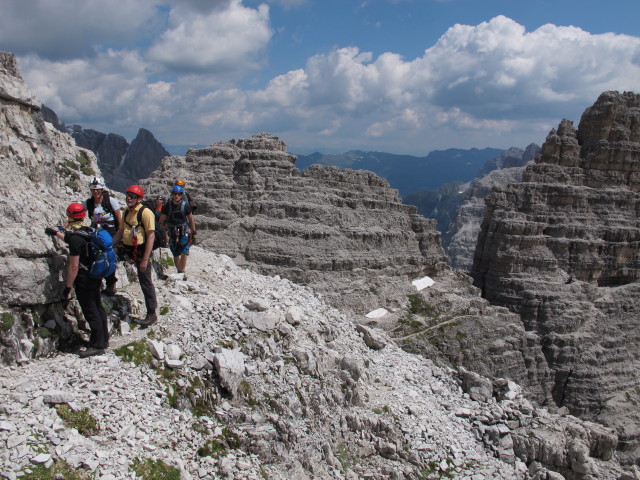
343,231
42,171
562,249
462,235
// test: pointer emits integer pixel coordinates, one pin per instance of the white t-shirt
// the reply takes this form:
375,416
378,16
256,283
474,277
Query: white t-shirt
100,216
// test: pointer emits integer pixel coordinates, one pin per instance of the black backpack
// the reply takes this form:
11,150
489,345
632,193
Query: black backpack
106,206
192,202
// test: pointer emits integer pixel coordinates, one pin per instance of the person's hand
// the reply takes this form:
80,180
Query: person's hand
193,239
66,292
143,265
51,231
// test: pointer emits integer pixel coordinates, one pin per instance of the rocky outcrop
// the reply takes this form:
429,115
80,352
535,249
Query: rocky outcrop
345,232
42,171
459,207
122,164
300,396
51,117
561,249
110,149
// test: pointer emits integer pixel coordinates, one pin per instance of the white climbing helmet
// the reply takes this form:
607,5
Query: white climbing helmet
97,184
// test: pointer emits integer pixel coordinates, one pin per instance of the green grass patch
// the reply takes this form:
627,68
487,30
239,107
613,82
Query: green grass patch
82,159
226,343
81,420
58,470
419,306
164,310
44,332
384,410
6,321
220,446
136,352
246,392
166,261
148,469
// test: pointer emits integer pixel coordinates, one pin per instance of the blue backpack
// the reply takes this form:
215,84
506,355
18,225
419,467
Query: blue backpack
100,244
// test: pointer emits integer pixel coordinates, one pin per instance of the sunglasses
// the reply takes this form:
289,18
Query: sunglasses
132,195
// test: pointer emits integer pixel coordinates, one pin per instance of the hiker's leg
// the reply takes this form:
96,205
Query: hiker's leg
103,327
111,279
148,290
184,254
88,295
182,262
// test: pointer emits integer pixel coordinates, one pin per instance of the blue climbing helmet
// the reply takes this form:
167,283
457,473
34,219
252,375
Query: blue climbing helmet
177,189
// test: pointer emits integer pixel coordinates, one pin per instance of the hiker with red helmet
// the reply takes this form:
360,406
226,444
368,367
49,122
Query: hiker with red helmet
137,239
87,288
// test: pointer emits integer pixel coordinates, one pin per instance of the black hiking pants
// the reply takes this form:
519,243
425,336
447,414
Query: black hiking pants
111,279
88,295
146,282
147,287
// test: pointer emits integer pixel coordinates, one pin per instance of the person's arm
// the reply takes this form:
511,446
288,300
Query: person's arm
148,248
73,264
192,223
148,224
117,214
117,237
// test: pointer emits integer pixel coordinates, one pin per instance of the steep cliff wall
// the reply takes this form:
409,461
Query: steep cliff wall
343,231
41,172
562,249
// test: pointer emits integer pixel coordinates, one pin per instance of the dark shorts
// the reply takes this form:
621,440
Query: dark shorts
180,244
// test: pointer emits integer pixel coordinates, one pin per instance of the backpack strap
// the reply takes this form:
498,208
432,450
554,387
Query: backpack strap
85,232
91,206
106,206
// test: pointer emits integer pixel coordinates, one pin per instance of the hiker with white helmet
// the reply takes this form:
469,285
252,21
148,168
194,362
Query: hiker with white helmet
177,218
104,212
79,263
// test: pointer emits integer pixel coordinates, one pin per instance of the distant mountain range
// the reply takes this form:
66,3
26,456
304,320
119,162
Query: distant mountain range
407,173
122,165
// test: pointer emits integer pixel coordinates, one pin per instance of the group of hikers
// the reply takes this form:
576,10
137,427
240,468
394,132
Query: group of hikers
134,235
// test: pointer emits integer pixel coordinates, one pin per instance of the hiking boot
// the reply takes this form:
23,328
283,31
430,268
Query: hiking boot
150,319
110,290
91,351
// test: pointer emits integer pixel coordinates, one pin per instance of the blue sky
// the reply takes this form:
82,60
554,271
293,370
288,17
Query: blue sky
402,76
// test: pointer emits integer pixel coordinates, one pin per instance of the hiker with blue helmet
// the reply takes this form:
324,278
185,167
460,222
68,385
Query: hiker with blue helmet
104,212
177,218
87,288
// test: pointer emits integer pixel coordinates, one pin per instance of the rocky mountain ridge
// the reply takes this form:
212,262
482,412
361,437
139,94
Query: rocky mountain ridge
562,250
407,173
459,207
122,164
295,357
344,232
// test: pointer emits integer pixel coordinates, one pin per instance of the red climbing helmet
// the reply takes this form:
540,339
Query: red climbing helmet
136,190
76,211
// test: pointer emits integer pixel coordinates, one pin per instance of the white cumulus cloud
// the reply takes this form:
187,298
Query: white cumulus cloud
224,40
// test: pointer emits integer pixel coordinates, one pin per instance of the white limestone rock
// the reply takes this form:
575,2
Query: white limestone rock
230,367
57,397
